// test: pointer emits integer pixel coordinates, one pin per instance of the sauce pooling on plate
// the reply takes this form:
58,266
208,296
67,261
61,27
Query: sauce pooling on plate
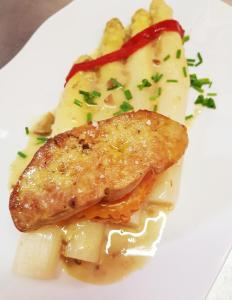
123,250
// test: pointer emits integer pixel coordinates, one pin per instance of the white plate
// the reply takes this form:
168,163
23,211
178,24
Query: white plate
198,233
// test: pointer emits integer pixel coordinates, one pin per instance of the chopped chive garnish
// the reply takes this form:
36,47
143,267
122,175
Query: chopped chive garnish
188,117
89,97
113,84
126,106
184,71
145,83
155,108
212,94
41,139
96,94
191,60
198,89
197,83
157,94
21,154
89,117
156,77
27,130
178,53
166,57
172,80
128,94
84,93
77,102
208,102
186,38
200,59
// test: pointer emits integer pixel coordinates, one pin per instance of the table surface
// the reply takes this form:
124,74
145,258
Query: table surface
18,21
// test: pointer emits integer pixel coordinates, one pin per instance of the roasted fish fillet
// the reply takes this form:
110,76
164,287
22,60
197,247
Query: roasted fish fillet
98,161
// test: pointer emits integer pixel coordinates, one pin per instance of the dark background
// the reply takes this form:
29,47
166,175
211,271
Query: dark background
19,19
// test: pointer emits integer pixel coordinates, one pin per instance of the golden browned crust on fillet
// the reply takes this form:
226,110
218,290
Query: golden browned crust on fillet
104,160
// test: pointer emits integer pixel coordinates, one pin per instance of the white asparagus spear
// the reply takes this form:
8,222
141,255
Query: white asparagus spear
173,99
139,65
68,114
38,253
160,11
113,38
84,239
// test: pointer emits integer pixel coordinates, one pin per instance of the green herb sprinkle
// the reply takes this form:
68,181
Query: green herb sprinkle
166,57
157,77
178,53
172,80
89,117
27,130
188,117
77,102
128,94
21,154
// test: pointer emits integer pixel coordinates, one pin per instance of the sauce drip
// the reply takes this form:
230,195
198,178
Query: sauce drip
138,41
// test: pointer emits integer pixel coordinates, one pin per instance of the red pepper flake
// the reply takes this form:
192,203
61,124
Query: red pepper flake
138,41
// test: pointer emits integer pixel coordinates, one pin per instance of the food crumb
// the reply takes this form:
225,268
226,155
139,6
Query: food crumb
148,122
109,100
102,176
44,126
156,61
95,124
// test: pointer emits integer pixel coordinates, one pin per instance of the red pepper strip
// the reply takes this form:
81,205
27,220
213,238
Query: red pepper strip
138,41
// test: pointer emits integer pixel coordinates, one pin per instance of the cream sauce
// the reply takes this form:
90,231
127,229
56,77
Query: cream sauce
123,251
19,164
